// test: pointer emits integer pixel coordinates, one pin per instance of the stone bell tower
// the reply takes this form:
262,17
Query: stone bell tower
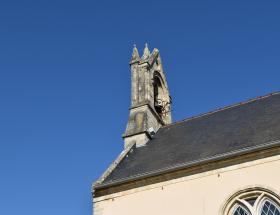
150,100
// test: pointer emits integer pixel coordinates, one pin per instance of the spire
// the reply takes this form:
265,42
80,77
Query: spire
146,52
135,54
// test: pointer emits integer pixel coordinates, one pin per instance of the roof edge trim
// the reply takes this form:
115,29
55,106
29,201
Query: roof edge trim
112,166
180,166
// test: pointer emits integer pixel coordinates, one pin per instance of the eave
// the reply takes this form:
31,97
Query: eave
188,168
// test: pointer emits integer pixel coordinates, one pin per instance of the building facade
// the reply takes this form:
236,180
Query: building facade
224,162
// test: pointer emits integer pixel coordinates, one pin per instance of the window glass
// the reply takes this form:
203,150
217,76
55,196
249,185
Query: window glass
269,208
241,211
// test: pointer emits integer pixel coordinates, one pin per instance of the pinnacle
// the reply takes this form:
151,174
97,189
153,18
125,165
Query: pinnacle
146,52
135,54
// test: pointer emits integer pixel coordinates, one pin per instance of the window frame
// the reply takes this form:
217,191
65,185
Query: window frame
237,205
241,198
262,202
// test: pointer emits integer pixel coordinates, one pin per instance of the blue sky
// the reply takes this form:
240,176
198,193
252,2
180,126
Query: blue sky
65,83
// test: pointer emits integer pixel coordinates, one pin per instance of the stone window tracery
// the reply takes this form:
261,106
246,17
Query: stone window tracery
269,208
253,202
241,211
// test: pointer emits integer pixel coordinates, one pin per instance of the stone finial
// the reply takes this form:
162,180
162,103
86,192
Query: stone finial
135,55
146,52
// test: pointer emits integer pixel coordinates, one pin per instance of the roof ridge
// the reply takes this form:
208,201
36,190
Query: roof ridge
223,108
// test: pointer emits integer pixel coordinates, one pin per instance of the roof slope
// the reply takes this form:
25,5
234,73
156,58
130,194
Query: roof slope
232,128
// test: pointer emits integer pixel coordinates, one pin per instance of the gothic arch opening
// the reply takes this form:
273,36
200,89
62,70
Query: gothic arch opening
253,201
158,95
162,100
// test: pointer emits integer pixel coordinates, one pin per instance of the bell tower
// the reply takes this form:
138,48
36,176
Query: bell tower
150,100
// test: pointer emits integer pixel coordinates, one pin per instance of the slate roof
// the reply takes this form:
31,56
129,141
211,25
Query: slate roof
242,126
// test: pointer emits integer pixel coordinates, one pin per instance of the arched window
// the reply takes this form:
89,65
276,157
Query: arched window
253,201
240,211
269,207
